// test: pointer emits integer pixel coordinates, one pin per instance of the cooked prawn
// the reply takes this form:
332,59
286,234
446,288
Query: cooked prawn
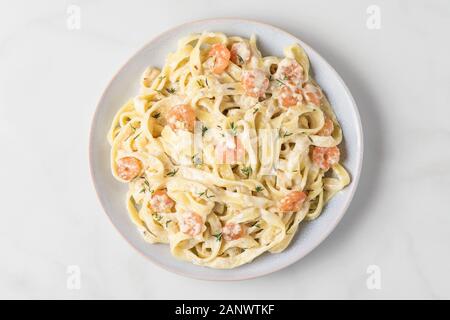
255,83
161,202
191,223
181,117
312,94
290,97
289,70
327,129
128,168
325,157
232,231
221,56
292,202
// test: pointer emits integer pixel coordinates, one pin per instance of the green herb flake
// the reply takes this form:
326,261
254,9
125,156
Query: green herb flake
156,115
240,60
218,236
172,173
247,171
205,194
284,134
233,129
157,217
200,83
259,189
204,129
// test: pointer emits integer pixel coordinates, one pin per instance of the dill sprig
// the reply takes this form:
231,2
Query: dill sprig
205,194
233,129
204,129
247,171
259,189
157,217
284,134
200,83
240,60
172,173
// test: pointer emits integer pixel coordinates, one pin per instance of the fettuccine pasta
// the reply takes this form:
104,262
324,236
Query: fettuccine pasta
226,151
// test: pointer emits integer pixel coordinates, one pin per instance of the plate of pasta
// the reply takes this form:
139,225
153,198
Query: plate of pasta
226,149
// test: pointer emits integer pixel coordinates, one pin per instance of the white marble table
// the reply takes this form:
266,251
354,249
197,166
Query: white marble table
52,74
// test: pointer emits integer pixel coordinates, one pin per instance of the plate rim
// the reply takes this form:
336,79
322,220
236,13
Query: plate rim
355,175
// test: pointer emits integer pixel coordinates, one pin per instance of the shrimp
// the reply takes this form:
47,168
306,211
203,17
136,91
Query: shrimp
290,97
232,231
289,69
312,94
240,53
221,56
324,158
191,223
292,202
128,168
161,202
230,151
181,117
255,83
327,129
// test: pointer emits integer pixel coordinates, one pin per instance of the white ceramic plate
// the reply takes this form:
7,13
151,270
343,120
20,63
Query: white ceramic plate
271,41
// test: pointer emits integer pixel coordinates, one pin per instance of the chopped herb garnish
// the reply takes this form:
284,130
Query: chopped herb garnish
172,173
218,236
233,129
170,90
256,110
142,191
247,171
284,134
259,189
205,194
200,83
240,60
280,82
160,78
204,129
206,81
231,88
156,115
167,222
157,217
